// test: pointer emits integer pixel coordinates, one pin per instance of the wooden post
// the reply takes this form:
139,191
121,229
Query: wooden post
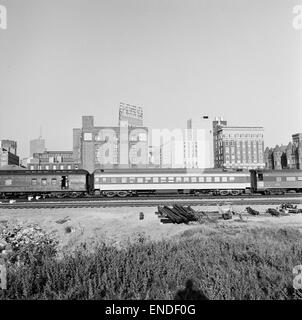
3,275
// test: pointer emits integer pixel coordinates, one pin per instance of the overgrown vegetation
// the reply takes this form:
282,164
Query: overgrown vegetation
255,264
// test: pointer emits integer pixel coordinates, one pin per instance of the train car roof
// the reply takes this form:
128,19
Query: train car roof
42,172
164,170
280,172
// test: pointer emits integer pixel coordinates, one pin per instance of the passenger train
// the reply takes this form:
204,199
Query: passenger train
133,182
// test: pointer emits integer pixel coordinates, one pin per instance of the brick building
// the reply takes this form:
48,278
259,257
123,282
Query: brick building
238,147
285,157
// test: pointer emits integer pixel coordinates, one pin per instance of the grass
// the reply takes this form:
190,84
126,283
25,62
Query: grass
229,264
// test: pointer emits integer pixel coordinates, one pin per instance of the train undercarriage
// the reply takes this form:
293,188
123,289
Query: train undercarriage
129,193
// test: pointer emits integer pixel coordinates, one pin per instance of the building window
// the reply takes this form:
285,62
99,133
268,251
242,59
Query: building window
290,178
132,180
43,181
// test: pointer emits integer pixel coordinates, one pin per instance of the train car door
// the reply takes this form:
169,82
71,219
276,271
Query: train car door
64,182
253,175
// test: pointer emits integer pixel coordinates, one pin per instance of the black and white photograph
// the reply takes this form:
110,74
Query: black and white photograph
150,150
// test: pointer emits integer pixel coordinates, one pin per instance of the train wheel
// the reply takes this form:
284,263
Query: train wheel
224,192
235,192
110,194
122,194
74,195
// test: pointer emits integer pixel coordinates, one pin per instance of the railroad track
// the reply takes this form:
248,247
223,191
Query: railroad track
138,202
156,197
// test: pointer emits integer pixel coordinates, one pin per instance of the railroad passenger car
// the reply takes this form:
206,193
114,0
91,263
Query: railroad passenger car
57,183
276,181
126,182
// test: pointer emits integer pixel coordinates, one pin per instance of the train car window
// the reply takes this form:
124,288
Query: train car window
46,167
232,178
290,178
69,167
299,178
43,182
193,179
178,179
53,182
147,179
163,179
124,180
140,180
260,176
201,179
224,179
155,179
61,167
54,167
8,182
104,180
170,179
217,179
113,180
33,182
208,179
278,179
186,179
132,180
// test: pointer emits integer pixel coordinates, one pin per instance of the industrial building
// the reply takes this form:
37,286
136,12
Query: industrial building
8,158
9,145
52,160
96,147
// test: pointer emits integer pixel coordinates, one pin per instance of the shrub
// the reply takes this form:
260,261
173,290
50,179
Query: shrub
256,264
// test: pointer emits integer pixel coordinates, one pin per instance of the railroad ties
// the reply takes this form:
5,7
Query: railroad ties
176,214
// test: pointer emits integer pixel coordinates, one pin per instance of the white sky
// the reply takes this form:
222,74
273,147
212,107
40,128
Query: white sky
178,59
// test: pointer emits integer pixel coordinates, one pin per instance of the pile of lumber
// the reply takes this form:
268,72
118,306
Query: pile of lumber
252,211
176,214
